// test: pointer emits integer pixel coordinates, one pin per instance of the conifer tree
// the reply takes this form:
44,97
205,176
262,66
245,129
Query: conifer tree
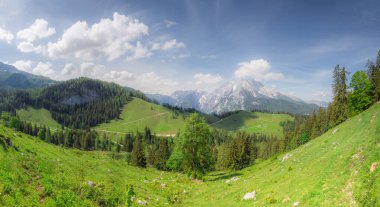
162,154
138,155
340,96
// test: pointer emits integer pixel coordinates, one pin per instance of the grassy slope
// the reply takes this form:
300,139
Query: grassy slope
328,171
254,122
38,116
40,174
138,113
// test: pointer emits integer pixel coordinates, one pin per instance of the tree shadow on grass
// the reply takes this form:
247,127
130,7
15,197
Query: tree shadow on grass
223,176
236,120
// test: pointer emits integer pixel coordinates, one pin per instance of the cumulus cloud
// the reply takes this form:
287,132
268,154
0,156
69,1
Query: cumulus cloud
119,76
201,78
69,69
24,65
38,30
139,51
6,36
259,70
109,38
28,47
90,69
171,44
44,69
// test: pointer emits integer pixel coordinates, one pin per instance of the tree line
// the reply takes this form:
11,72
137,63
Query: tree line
78,103
198,149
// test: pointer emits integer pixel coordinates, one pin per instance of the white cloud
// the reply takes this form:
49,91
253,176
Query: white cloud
169,23
259,70
201,78
69,69
44,69
170,44
6,36
119,76
24,65
109,38
28,47
38,30
139,52
90,69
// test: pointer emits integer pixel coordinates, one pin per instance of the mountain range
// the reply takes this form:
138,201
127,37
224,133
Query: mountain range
242,94
11,77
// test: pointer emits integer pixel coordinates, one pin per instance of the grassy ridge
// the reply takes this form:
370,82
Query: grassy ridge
138,114
40,174
254,122
38,116
331,170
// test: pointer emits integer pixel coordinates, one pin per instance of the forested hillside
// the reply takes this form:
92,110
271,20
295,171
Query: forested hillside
78,103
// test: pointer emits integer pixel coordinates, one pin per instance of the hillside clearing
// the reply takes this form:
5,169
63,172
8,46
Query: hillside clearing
254,122
38,116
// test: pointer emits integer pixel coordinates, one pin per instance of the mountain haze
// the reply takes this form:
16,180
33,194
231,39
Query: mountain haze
242,94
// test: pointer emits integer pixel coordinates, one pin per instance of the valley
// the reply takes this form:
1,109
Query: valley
329,171
189,103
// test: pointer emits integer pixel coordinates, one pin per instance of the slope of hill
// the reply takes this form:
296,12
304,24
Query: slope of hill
138,114
253,122
340,168
11,77
38,116
34,173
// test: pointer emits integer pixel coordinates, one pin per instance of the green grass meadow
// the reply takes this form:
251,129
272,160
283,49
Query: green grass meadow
331,170
254,122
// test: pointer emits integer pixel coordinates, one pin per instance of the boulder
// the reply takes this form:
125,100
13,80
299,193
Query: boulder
287,156
250,195
91,183
140,202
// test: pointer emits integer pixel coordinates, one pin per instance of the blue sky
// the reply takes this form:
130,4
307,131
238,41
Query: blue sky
163,46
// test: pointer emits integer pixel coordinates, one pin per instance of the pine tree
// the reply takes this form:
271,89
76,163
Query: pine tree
162,155
340,95
138,155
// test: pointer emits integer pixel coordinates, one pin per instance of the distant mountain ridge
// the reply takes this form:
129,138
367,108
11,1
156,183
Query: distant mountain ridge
243,94
11,77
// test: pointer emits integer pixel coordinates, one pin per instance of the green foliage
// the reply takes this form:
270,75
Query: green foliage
240,152
340,96
361,96
162,155
374,75
138,155
194,153
130,195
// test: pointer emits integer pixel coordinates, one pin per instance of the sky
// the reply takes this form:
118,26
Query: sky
168,45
